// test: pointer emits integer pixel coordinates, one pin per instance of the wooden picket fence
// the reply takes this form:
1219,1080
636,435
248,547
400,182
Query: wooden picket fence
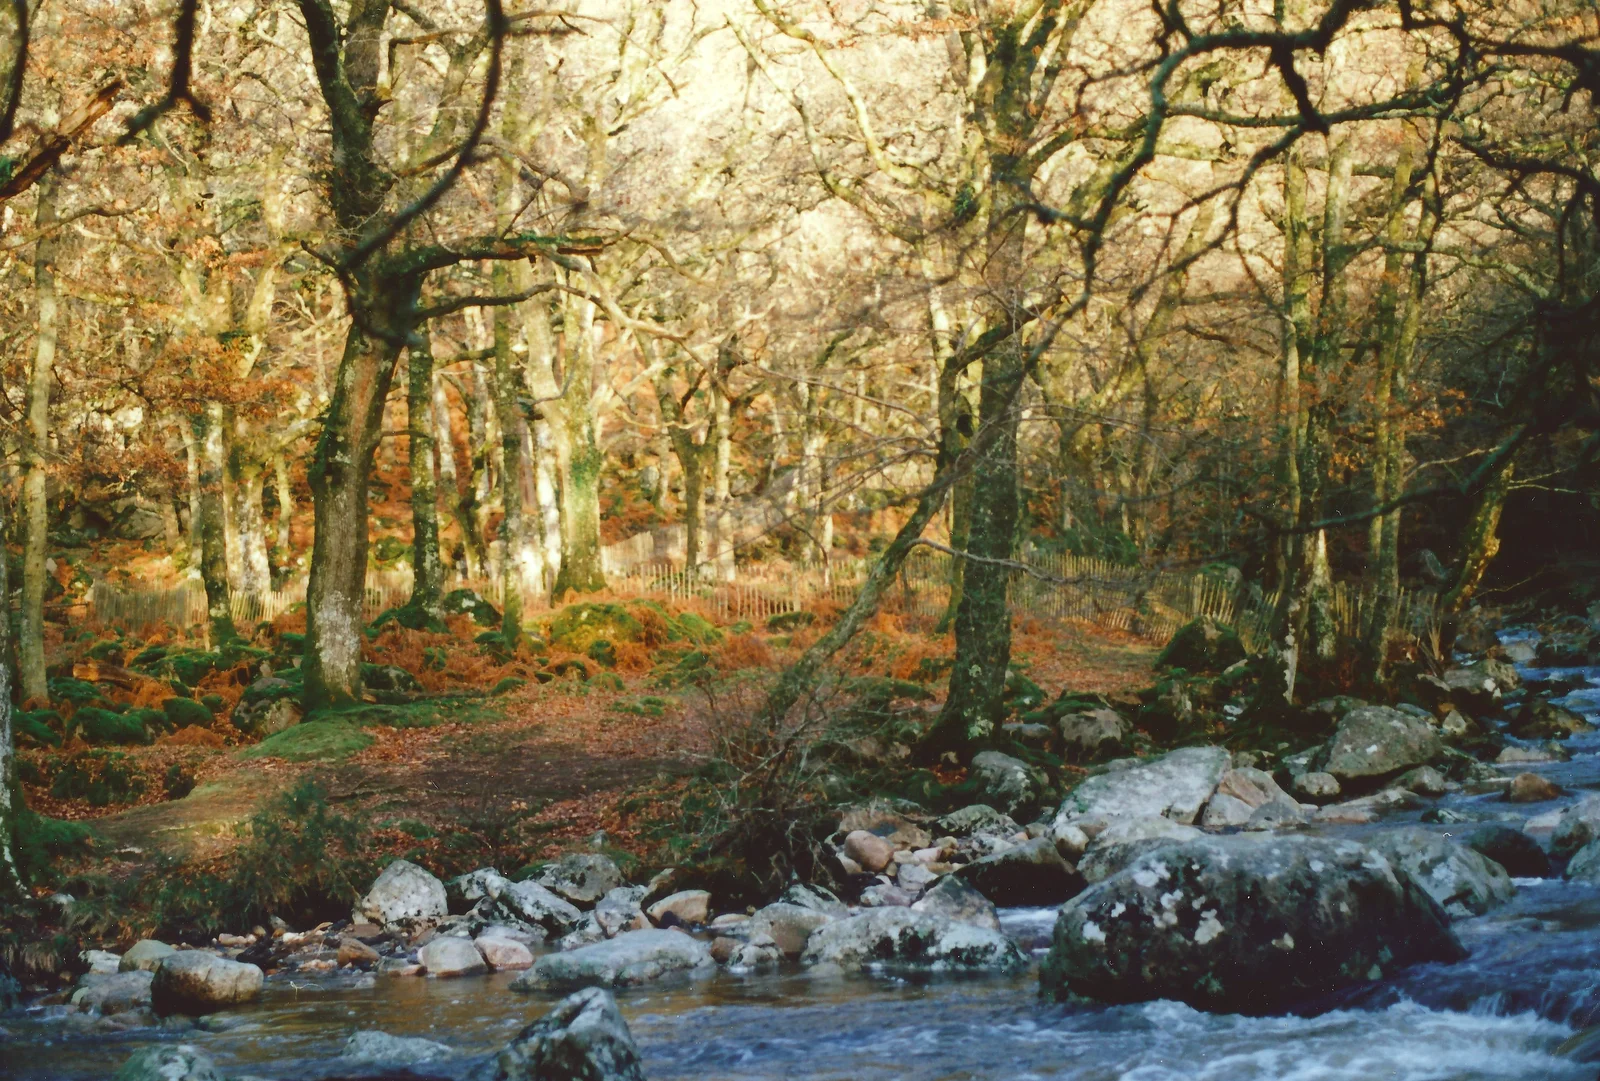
1148,604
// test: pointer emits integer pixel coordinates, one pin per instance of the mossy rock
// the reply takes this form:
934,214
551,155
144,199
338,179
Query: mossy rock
102,726
1203,645
76,691
571,666
687,626
108,650
412,617
153,720
312,741
789,622
578,626
602,652
292,642
507,685
214,702
150,656
187,713
1022,694
33,727
390,678
99,777
189,667
608,681
692,667
466,602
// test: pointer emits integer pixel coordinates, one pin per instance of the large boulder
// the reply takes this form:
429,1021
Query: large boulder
1032,873
145,955
172,1062
952,899
1124,840
1174,786
583,1039
1008,784
1585,866
1543,719
1577,826
902,937
1093,734
619,911
1514,850
1203,645
197,982
1373,743
1462,880
404,898
581,877
894,827
808,896
113,993
534,905
632,958
787,925
1245,923
447,956
372,1046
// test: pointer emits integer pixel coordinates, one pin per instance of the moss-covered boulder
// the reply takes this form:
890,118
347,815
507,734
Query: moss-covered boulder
154,720
1203,645
578,626
187,713
38,727
312,741
789,622
98,725
74,691
466,602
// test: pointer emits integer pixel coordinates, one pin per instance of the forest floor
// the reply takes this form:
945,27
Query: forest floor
513,778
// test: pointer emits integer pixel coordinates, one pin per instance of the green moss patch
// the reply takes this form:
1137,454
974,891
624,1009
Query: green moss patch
312,741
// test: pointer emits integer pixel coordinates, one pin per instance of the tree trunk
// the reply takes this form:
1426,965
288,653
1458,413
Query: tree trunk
507,385
449,480
983,619
36,443
427,580
723,456
213,545
1482,542
690,455
581,571
285,494
12,889
339,473
250,524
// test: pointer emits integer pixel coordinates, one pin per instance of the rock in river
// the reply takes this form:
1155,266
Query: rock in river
901,937
196,982
370,1045
631,958
1032,873
181,1062
1248,923
584,1038
1374,742
404,898
1174,786
581,877
448,956
1461,879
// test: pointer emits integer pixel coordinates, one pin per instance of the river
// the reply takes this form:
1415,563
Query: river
1531,983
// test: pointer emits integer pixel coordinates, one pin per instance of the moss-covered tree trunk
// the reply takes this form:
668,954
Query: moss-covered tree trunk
1482,541
12,889
581,570
283,489
427,579
340,470
35,446
250,520
513,539
207,427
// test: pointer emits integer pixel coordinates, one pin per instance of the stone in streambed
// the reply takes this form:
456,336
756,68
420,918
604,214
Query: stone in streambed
373,1046
503,954
632,958
1462,880
1532,788
869,850
788,926
953,899
144,956
1375,742
901,937
1246,923
182,1062
536,906
448,956
1512,849
404,898
197,982
583,878
686,906
1175,786
1032,873
583,1039
108,994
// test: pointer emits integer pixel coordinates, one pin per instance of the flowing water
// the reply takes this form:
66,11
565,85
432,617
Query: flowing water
1531,984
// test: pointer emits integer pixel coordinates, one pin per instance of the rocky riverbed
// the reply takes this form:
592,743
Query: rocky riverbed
1385,905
